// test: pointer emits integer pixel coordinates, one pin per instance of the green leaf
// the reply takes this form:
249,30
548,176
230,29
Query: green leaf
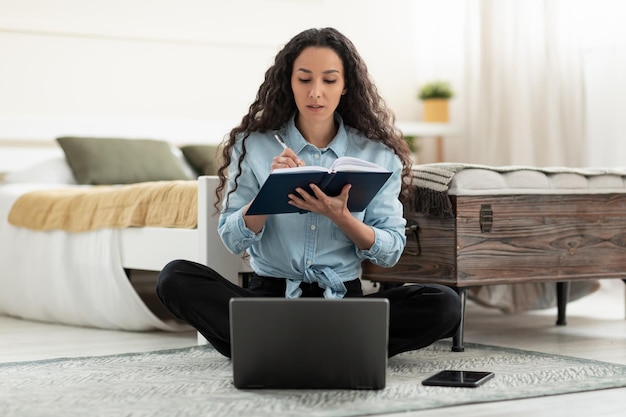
436,89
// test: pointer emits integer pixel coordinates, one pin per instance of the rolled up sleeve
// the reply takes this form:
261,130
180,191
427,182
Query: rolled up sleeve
385,216
234,233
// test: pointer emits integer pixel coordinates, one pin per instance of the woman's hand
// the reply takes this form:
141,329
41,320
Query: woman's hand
287,159
336,209
319,202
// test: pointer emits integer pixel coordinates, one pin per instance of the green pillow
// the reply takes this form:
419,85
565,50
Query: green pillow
100,161
202,158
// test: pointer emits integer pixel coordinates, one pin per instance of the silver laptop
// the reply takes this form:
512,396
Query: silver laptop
309,343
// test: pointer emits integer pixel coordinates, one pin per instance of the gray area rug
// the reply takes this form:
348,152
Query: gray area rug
197,381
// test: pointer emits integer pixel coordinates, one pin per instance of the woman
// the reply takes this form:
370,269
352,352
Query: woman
318,96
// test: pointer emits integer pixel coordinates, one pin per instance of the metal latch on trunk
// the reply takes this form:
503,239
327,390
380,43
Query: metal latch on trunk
486,218
412,229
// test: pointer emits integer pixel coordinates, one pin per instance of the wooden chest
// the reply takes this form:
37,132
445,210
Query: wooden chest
504,239
510,225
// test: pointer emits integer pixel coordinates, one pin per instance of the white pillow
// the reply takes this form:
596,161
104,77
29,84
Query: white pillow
49,171
186,167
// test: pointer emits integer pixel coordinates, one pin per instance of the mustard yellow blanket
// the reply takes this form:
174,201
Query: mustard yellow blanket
158,204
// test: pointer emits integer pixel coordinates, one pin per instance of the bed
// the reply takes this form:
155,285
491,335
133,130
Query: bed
81,276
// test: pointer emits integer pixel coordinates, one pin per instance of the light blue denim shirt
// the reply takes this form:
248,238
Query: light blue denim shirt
309,247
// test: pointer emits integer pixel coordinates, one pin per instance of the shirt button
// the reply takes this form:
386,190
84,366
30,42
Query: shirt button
316,156
312,227
308,262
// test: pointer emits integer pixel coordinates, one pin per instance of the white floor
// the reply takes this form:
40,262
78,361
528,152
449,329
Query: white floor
596,329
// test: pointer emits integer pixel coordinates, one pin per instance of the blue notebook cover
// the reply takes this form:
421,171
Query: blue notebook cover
273,195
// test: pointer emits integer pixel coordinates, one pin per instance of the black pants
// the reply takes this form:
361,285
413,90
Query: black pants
418,314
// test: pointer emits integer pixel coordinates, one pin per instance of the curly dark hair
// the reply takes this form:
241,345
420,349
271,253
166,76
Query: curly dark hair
361,107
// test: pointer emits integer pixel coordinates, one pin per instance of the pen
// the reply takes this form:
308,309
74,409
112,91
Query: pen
280,140
282,143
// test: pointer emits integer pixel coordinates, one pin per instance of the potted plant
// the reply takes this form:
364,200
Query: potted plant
435,96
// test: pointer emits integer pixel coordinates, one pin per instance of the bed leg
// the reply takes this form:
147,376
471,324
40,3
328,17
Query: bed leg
457,339
624,299
562,296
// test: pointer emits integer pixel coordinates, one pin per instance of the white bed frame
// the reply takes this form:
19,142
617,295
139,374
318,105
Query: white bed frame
150,248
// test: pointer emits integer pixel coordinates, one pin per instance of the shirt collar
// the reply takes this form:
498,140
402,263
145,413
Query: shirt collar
296,141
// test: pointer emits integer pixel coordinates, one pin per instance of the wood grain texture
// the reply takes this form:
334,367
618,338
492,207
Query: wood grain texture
532,238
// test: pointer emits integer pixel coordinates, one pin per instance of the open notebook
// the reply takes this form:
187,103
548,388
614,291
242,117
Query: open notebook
366,178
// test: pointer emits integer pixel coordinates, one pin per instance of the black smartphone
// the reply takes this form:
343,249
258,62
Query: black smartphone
449,378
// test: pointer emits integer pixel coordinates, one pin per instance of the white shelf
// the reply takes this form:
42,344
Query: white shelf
411,128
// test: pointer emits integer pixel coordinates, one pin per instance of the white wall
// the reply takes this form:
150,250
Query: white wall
187,70
119,62
180,70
